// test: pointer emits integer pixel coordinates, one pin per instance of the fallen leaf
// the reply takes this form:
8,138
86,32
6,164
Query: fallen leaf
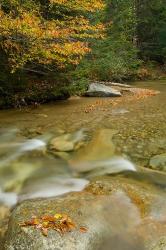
83,229
61,223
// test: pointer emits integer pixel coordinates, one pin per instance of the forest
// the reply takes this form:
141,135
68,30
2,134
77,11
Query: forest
51,49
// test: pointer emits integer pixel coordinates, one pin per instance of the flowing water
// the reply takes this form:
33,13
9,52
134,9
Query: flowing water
116,140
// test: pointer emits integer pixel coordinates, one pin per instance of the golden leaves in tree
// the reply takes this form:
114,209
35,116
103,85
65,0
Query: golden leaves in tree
81,5
55,41
61,223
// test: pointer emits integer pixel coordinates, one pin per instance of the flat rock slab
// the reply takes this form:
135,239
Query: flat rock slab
101,90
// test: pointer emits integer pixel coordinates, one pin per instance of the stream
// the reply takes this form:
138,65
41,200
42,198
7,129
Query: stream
102,162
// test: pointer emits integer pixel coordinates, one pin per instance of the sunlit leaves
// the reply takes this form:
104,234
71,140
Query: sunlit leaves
83,5
27,37
61,223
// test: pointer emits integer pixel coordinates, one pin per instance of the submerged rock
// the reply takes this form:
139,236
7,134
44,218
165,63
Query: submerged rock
46,181
68,142
101,90
99,148
158,162
62,144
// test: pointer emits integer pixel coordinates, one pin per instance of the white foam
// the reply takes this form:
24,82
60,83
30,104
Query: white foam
32,144
53,187
109,166
8,198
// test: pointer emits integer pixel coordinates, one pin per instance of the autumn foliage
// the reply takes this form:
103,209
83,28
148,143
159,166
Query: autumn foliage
60,223
55,36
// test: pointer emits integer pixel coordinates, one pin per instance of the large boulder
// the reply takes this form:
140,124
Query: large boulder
101,90
117,212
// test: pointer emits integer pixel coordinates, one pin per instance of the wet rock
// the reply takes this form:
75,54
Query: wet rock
99,148
61,154
68,142
101,90
110,208
77,207
160,244
62,144
158,162
13,176
4,216
32,132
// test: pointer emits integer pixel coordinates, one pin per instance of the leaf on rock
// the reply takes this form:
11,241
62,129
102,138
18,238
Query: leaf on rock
61,223
83,229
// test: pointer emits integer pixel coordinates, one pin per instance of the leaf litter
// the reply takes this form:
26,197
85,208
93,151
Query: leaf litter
61,223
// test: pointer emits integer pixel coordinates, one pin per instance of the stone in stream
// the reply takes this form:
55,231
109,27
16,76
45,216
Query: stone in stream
158,162
123,89
99,148
68,142
116,212
101,90
13,175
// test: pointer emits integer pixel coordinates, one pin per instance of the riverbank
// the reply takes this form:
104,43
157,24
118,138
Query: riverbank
30,91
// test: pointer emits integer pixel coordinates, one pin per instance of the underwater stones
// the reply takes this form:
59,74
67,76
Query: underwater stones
62,144
100,148
68,142
158,162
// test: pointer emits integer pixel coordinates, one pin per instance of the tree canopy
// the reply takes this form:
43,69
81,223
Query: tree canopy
50,33
67,43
